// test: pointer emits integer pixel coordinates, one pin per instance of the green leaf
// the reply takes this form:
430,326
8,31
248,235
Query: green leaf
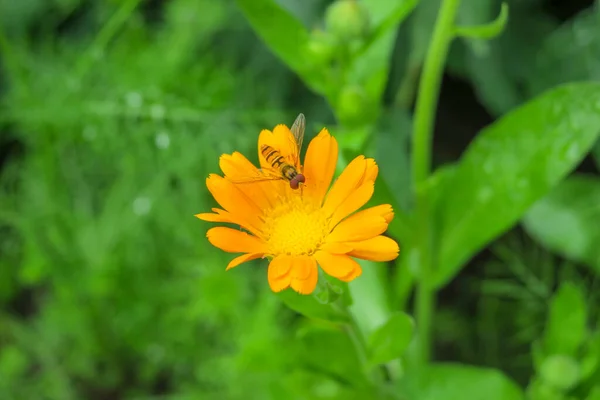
567,220
392,136
287,37
594,393
451,381
538,389
566,326
332,353
421,21
500,71
590,361
370,294
510,165
310,307
390,340
371,65
568,54
485,31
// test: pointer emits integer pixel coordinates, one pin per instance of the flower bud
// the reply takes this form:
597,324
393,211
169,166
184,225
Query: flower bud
560,371
321,47
347,20
353,105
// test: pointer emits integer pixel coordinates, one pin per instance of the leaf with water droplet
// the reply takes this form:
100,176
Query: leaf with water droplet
567,220
534,144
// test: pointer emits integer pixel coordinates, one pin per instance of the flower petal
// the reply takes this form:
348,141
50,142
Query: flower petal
237,167
243,211
336,265
384,210
210,217
282,140
242,259
234,241
379,248
319,165
336,248
278,273
371,171
304,274
356,200
356,272
218,216
357,229
348,181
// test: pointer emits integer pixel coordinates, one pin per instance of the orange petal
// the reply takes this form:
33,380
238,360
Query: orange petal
242,259
237,167
383,210
319,165
304,274
371,172
234,241
356,272
210,217
218,216
243,211
336,248
282,140
356,229
348,181
336,265
356,200
278,273
379,248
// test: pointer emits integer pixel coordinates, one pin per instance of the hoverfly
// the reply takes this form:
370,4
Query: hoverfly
280,167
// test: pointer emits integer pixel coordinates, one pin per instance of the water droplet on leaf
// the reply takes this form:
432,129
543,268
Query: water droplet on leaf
142,205
162,140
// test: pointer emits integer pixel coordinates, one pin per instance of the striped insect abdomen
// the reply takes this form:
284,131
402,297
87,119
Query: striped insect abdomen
277,161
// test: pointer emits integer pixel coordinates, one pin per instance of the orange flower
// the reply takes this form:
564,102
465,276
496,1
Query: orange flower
298,229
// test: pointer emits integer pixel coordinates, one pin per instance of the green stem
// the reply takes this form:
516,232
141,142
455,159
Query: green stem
429,88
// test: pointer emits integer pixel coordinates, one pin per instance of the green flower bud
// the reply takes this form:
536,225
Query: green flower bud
353,105
321,47
560,371
347,20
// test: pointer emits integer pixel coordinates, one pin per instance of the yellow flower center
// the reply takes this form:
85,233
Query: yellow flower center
294,227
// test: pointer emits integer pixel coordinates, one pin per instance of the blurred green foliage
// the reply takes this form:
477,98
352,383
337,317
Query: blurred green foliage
114,112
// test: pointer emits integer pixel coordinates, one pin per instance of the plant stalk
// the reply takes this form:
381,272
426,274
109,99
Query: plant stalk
427,100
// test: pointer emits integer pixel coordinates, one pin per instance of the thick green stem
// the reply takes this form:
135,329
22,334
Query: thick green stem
429,88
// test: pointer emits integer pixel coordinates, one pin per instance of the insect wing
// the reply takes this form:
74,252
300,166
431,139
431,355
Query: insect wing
298,128
260,176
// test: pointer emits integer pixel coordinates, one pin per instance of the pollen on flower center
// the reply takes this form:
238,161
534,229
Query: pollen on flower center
295,228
